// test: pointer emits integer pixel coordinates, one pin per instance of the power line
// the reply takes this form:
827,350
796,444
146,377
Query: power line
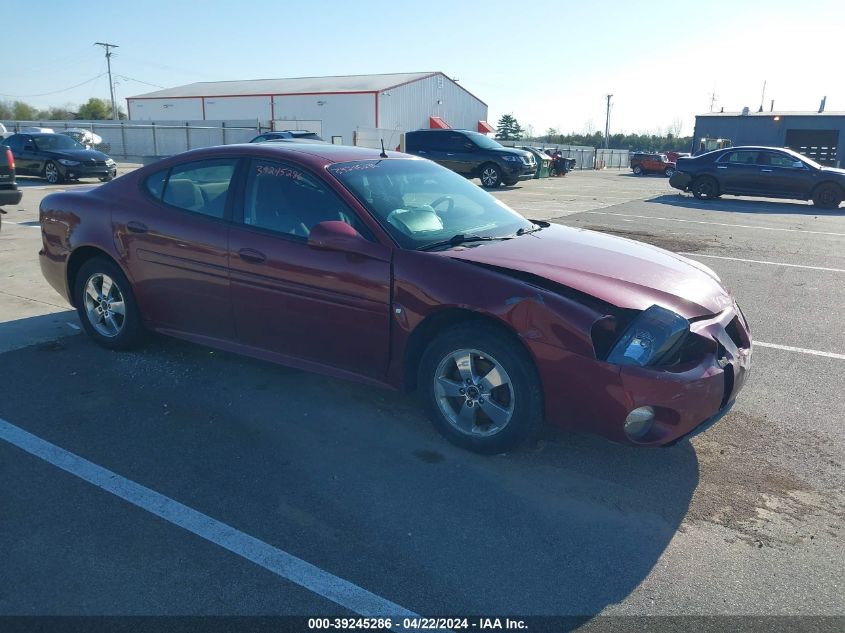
44,94
146,83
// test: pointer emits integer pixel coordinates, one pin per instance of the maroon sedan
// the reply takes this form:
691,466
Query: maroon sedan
397,272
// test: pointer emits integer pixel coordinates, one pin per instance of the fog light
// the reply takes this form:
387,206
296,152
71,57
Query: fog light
639,422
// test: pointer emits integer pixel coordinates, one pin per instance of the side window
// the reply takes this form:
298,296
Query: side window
418,141
260,139
740,158
781,160
455,142
286,199
155,183
201,187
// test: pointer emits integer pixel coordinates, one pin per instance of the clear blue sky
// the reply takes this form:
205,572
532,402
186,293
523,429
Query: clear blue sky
548,62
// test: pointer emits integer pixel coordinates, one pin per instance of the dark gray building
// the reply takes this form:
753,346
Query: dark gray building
818,135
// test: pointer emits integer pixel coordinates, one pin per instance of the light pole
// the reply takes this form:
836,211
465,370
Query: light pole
607,122
111,85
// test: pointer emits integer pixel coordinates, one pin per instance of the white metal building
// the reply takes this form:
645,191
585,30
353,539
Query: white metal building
338,108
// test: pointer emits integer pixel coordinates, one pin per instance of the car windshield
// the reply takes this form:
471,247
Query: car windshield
420,203
55,142
482,141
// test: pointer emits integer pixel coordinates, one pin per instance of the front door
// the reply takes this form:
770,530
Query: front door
176,247
783,175
320,306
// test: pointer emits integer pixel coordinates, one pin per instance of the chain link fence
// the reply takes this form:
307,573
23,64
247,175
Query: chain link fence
134,140
585,157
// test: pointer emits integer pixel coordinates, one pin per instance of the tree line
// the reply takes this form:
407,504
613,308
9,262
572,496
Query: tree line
509,129
95,109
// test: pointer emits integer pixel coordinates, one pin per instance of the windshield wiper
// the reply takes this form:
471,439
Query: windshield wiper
460,238
538,225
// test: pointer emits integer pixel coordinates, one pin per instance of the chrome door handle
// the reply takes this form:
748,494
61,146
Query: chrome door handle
768,171
721,167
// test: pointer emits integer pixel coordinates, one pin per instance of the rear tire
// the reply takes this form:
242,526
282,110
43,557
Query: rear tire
491,176
827,196
106,305
637,170
489,403
705,188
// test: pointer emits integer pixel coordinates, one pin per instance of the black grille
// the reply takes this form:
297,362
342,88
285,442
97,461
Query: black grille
734,330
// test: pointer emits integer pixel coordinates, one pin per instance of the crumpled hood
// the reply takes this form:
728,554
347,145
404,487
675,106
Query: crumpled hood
623,272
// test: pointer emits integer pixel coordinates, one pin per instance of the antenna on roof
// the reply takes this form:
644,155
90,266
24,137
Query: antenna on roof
383,153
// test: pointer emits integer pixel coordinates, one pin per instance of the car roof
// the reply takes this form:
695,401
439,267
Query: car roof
314,154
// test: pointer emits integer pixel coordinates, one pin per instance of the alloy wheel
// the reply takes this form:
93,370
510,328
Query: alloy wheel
104,305
489,177
474,393
51,173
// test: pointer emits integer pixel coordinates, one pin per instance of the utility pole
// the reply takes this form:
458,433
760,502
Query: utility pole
111,84
607,122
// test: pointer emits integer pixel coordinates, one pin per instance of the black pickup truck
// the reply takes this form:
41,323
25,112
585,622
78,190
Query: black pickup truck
9,193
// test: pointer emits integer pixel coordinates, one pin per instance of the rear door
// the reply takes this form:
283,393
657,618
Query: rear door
320,306
175,239
738,172
24,158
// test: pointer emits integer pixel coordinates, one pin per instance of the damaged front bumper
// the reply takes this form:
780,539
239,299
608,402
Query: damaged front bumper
680,180
685,399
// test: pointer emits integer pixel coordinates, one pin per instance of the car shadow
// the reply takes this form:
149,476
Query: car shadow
745,205
25,182
356,480
644,175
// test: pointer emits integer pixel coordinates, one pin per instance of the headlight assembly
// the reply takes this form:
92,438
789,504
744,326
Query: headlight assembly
651,337
510,158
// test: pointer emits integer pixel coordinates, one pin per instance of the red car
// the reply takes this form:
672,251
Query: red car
394,271
652,163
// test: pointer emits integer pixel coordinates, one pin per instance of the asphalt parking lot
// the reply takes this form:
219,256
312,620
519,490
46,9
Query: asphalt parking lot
745,519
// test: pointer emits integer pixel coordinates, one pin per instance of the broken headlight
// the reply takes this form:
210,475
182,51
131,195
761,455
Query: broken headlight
650,338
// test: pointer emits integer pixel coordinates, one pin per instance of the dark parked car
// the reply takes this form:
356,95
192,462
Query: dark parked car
397,272
473,155
287,135
9,192
651,163
760,171
57,158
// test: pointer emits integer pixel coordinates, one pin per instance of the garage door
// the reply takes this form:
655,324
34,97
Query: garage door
820,145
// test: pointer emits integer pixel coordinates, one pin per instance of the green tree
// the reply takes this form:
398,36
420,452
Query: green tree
23,111
94,110
508,129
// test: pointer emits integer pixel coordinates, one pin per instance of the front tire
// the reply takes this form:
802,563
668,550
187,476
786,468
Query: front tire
106,305
669,172
637,170
827,196
52,173
705,188
481,389
491,176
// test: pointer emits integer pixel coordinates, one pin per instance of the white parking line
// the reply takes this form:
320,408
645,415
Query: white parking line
279,562
760,261
801,350
737,226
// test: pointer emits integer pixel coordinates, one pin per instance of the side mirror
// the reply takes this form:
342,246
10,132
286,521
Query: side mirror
798,165
470,147
334,235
